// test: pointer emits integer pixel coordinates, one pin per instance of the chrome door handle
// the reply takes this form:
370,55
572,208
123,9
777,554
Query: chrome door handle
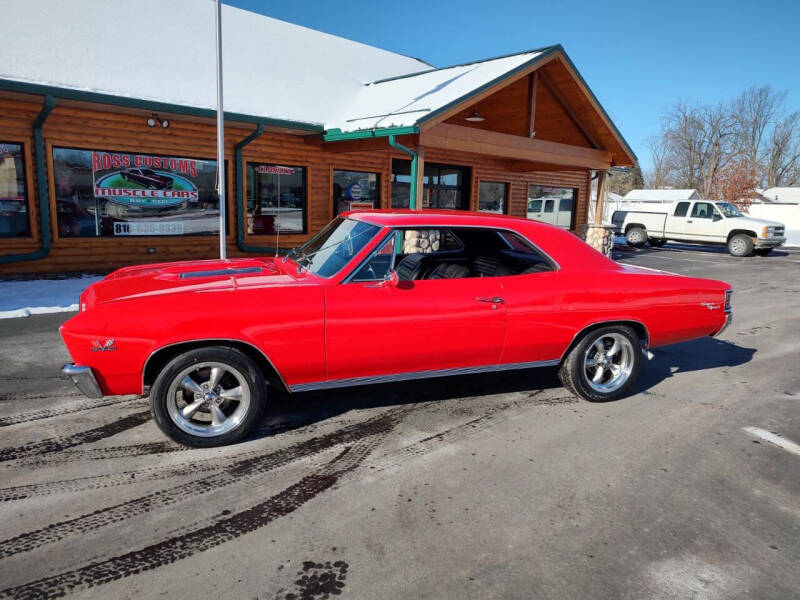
689,221
494,300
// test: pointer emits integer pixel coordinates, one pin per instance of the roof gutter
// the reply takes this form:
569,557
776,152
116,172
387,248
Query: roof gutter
412,196
336,135
240,213
41,189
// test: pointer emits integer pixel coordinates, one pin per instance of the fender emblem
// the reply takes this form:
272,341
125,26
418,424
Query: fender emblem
103,345
711,305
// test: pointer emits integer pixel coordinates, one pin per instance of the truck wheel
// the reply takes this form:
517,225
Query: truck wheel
740,245
636,237
762,251
208,397
603,364
657,243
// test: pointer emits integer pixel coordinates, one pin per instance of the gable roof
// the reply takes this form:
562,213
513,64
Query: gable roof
781,194
662,195
161,55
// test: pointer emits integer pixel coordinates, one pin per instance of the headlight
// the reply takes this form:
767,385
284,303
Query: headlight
768,231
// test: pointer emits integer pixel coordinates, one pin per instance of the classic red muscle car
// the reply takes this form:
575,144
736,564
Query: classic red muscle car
375,297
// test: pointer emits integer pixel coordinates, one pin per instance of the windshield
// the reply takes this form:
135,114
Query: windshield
728,209
333,247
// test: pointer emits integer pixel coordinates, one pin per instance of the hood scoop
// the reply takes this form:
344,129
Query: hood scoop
220,272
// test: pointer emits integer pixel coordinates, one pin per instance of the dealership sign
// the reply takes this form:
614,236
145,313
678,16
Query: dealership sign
275,170
143,180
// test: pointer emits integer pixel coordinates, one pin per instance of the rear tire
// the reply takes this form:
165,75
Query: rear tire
636,237
208,397
615,350
740,245
762,251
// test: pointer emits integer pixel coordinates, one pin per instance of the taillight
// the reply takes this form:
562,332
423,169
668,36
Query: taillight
728,294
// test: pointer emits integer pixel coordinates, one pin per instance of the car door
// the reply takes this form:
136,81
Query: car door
705,223
379,330
675,224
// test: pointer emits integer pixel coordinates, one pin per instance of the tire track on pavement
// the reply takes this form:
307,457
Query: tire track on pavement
48,413
233,473
56,444
226,529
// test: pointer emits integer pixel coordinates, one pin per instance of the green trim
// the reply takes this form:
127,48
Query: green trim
412,189
70,94
336,135
240,213
41,189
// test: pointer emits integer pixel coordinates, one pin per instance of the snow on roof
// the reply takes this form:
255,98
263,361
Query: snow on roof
781,194
164,52
402,101
662,195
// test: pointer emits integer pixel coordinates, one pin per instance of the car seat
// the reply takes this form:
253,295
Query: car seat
410,267
449,271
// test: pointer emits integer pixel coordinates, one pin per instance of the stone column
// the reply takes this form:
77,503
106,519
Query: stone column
599,236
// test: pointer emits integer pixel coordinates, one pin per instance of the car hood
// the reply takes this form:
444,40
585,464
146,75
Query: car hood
191,276
758,222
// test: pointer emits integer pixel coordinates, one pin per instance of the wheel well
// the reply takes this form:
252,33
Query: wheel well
162,356
630,226
639,328
742,231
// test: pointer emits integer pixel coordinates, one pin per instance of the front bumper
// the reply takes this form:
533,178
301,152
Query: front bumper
84,380
728,321
773,242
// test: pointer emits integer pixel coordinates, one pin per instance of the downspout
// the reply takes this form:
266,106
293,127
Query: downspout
41,189
240,214
412,196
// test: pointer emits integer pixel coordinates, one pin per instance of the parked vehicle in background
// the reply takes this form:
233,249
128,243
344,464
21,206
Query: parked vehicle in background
700,222
555,211
148,178
377,296
13,216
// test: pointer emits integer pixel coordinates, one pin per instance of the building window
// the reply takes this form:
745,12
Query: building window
120,194
353,190
554,205
14,221
493,197
276,199
445,186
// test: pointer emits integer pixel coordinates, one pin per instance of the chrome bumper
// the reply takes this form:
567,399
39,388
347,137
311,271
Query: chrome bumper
770,242
728,321
84,380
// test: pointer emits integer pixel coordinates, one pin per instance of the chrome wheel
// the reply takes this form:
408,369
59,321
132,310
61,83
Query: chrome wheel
608,362
738,246
208,399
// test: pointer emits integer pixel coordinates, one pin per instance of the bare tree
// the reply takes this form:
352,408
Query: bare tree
782,153
659,176
754,113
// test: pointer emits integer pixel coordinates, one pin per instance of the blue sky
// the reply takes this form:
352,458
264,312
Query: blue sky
638,57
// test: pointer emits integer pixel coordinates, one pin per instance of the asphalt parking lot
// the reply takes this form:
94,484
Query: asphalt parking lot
500,486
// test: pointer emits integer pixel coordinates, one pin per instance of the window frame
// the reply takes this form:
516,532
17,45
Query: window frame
506,200
466,188
306,212
393,231
64,144
379,186
34,234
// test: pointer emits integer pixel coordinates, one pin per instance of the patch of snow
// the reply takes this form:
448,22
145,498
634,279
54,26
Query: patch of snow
39,296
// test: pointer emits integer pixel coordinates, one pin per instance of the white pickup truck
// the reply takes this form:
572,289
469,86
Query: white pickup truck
700,222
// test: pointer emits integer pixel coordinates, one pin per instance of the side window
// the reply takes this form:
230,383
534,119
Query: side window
548,206
535,206
427,241
379,263
681,209
702,210
520,257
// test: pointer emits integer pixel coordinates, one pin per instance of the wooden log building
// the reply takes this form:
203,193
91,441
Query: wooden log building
109,159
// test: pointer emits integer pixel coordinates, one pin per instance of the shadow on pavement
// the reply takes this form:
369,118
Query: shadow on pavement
697,355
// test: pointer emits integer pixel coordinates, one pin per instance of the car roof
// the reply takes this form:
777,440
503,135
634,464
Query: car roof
444,218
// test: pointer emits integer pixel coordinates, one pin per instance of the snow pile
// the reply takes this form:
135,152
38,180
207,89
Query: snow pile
39,296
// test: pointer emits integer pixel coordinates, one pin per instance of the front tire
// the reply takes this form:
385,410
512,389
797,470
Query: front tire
208,397
603,365
740,245
636,237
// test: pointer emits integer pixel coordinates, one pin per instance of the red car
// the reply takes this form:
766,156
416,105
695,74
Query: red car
376,297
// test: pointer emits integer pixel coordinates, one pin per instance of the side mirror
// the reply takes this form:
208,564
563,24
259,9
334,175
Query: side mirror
716,217
389,280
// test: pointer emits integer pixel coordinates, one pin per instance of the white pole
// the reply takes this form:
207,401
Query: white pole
220,133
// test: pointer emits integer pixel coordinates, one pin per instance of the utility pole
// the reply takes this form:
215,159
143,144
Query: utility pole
220,133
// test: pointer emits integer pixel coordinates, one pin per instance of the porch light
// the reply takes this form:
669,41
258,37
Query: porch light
474,117
155,119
